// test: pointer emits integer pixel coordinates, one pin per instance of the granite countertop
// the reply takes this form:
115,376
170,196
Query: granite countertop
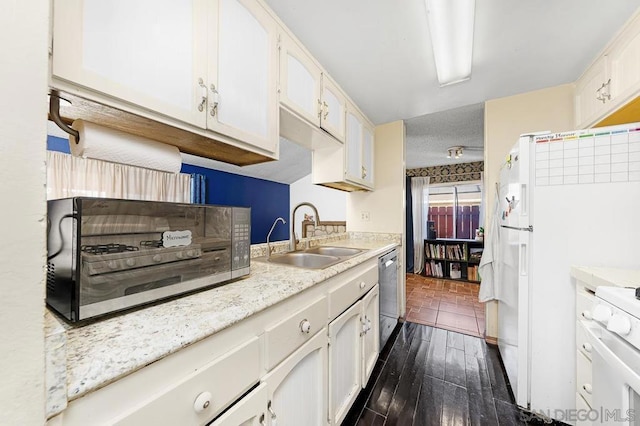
102,352
597,276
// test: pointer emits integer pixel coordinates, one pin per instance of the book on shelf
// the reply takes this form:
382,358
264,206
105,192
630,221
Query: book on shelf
472,273
475,254
433,269
454,270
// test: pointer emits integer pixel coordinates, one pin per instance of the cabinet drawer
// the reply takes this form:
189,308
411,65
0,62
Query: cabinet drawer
583,376
225,379
582,343
343,296
584,303
284,337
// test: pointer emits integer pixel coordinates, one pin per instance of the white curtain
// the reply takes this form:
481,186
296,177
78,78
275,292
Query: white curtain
482,201
419,209
69,176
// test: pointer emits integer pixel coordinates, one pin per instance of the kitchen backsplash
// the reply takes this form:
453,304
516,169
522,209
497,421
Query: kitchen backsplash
309,228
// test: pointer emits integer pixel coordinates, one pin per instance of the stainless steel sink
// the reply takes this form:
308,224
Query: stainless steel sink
335,251
314,258
305,260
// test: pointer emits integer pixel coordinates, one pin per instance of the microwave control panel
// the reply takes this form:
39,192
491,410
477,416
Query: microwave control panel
241,242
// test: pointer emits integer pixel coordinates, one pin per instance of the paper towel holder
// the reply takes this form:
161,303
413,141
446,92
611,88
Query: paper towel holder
54,113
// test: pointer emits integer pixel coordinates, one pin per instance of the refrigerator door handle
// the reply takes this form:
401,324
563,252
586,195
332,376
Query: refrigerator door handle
523,259
524,202
528,228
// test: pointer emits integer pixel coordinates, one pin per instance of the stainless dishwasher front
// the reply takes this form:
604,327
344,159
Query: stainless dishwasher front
388,283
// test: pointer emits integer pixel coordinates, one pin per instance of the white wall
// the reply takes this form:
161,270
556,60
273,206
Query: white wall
331,203
23,111
505,119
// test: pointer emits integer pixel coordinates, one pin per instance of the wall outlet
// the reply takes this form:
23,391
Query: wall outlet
365,216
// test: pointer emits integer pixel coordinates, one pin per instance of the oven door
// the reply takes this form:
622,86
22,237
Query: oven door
615,379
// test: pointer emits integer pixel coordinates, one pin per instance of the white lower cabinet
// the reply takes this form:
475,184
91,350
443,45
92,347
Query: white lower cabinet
297,386
353,351
345,362
371,333
249,411
302,362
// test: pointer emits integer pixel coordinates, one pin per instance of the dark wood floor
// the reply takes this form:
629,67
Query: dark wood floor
430,376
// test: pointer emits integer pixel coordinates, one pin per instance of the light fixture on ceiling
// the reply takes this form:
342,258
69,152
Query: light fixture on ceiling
451,29
457,151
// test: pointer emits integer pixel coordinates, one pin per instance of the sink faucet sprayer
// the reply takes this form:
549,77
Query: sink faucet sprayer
292,239
269,234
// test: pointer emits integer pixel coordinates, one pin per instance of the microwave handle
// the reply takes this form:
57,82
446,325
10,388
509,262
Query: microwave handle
630,376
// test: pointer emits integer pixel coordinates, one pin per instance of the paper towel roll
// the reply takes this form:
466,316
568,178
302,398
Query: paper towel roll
106,144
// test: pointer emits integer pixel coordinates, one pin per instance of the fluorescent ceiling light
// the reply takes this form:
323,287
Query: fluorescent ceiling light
451,28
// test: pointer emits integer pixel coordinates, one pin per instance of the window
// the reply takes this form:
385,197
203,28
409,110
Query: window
454,210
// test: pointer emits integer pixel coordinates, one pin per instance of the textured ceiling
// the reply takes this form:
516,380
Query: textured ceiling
380,54
429,136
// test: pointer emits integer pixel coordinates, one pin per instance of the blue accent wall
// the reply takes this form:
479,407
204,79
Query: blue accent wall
55,143
268,200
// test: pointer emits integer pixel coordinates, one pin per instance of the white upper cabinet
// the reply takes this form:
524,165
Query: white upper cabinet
624,60
243,73
300,80
349,166
592,93
333,108
359,149
145,52
308,91
210,64
612,80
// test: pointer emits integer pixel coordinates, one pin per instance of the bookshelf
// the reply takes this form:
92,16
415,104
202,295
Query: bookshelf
453,259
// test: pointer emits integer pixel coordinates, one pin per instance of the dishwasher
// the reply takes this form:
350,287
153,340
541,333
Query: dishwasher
388,285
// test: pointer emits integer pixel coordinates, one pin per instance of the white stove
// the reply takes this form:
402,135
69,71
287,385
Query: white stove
614,344
618,310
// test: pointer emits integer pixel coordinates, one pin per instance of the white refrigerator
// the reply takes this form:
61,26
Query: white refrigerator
570,198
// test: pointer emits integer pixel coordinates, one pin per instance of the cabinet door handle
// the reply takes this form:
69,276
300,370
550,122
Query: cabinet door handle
364,172
262,422
214,100
326,110
587,347
274,418
319,108
587,388
203,93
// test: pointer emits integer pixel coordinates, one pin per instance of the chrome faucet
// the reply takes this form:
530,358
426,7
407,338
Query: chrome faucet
269,234
292,239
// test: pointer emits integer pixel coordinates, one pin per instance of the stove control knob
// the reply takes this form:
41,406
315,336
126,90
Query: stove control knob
619,324
190,253
157,258
131,262
179,255
602,313
112,264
